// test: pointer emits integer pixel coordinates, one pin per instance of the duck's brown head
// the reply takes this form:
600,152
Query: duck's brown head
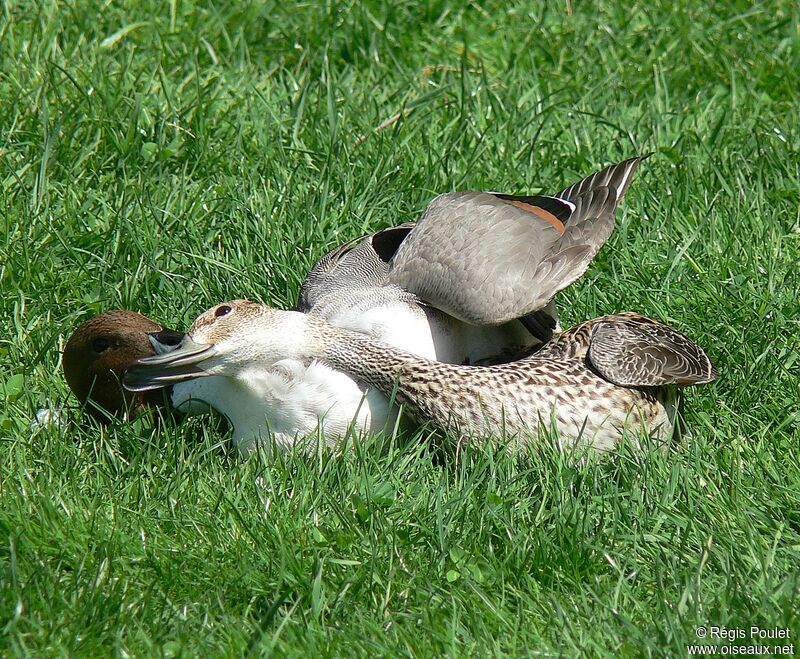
97,355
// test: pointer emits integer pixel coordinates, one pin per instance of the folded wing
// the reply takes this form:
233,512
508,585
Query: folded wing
639,352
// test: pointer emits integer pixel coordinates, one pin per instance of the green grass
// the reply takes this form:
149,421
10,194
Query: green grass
164,156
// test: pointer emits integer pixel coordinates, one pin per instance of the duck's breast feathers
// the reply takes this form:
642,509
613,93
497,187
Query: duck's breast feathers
633,351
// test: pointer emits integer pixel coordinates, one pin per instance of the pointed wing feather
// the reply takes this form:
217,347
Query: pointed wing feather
593,219
571,255
617,176
639,352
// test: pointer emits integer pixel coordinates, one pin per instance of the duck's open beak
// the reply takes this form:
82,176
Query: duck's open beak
161,370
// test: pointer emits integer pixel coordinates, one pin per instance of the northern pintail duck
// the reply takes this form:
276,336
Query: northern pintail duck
100,350
471,282
592,382
474,279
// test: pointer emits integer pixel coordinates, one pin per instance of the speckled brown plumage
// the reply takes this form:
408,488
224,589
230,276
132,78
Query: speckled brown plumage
590,383
560,385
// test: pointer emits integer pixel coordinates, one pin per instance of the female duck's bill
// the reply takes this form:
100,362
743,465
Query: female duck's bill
178,365
99,352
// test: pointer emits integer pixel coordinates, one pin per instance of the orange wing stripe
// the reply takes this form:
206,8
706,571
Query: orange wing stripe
539,212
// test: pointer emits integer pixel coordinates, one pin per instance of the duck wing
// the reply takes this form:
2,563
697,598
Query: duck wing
634,351
489,258
617,176
356,264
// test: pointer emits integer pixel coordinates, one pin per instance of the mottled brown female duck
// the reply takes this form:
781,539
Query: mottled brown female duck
591,383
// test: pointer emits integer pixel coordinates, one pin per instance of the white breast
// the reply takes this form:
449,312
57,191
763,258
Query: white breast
287,404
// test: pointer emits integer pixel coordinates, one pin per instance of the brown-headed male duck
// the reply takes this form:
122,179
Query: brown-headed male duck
97,355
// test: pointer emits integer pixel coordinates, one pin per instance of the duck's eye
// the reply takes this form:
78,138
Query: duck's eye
101,345
224,310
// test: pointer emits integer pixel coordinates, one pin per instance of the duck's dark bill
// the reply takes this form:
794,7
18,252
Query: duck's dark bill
145,378
166,340
162,370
